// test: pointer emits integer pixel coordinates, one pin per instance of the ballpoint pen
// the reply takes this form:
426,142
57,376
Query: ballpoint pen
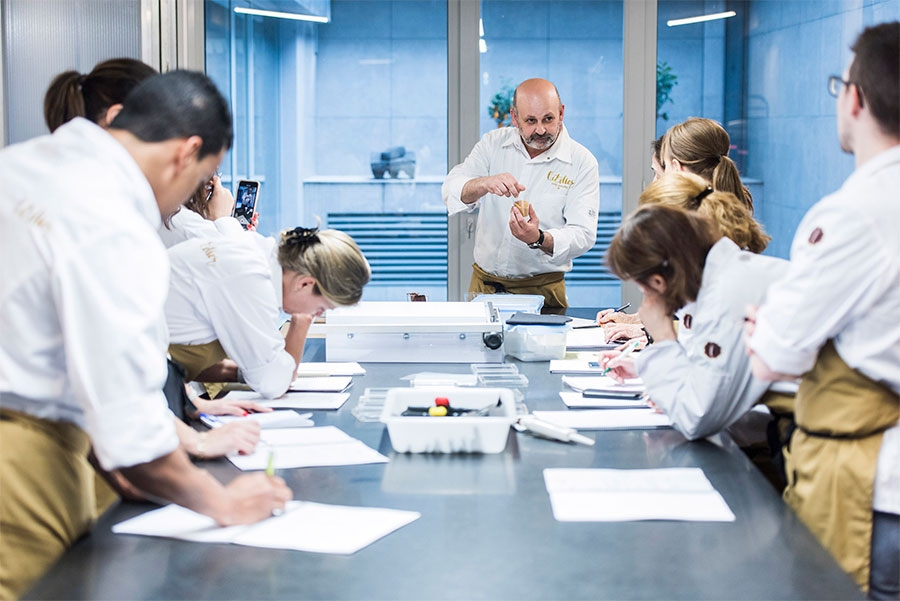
270,465
624,354
623,307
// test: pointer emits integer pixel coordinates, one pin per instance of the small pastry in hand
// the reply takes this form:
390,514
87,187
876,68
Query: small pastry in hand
523,206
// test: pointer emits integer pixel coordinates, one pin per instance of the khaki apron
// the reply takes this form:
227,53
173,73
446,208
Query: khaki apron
552,286
195,358
46,496
830,463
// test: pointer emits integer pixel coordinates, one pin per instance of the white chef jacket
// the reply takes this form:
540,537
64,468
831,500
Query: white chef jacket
186,224
844,284
82,288
228,288
563,185
703,381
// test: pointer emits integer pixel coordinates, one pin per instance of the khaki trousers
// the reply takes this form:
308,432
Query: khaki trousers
46,496
552,286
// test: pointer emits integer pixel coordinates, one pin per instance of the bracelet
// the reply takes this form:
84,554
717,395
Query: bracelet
201,443
647,334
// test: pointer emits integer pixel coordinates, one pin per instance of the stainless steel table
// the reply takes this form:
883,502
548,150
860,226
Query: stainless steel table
486,531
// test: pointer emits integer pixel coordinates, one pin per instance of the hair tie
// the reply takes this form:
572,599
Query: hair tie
300,236
703,194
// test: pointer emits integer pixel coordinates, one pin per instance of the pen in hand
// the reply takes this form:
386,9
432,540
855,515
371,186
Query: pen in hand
624,354
270,465
622,308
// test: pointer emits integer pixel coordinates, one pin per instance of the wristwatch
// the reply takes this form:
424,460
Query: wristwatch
539,242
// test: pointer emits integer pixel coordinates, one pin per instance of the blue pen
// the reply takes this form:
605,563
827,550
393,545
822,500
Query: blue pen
623,307
211,420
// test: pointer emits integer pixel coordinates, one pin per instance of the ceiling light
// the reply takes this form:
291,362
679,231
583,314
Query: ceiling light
700,19
279,15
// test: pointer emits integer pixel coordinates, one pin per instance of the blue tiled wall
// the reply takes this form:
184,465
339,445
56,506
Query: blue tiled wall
792,48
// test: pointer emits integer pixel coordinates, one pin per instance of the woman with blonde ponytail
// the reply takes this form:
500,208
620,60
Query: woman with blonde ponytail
701,146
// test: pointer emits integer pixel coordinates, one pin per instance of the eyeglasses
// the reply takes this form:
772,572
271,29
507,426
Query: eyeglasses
834,85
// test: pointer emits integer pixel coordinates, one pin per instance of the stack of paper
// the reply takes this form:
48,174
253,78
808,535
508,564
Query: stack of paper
320,383
603,383
576,400
307,447
320,369
607,495
272,419
304,526
588,339
606,419
296,400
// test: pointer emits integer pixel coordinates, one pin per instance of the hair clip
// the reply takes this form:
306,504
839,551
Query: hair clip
300,236
703,194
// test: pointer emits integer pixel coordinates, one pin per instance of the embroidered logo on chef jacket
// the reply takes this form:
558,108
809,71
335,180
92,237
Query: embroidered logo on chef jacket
560,180
210,251
816,236
687,320
712,350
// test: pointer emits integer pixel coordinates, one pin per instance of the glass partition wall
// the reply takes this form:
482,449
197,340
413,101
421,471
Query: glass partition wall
344,118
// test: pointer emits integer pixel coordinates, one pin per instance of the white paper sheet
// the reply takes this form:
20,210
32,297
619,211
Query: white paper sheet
576,401
302,436
309,401
335,368
305,526
588,338
606,419
609,495
582,383
352,452
321,384
274,419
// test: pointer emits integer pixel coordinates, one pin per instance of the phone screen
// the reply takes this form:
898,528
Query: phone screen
245,202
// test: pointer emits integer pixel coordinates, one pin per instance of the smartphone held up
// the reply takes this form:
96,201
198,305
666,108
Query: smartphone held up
245,202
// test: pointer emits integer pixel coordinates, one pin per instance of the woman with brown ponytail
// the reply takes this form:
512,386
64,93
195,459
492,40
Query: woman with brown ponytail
701,146
226,295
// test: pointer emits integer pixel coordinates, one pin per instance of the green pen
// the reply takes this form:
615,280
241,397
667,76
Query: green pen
270,466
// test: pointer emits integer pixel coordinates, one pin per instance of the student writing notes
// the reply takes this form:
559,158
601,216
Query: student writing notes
82,356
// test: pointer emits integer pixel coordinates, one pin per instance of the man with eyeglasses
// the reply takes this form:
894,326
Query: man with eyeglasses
834,319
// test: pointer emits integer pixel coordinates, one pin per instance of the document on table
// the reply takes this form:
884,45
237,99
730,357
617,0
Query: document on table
308,401
606,419
321,384
275,419
581,322
588,338
307,447
324,368
603,383
575,366
575,400
610,495
304,526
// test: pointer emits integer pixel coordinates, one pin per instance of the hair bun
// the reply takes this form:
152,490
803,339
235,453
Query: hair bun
300,236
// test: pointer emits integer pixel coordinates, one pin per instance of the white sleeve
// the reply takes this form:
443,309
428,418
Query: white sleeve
110,297
228,226
835,275
243,311
477,164
701,394
580,214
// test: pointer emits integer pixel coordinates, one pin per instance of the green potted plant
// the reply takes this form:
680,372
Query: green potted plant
501,105
665,81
